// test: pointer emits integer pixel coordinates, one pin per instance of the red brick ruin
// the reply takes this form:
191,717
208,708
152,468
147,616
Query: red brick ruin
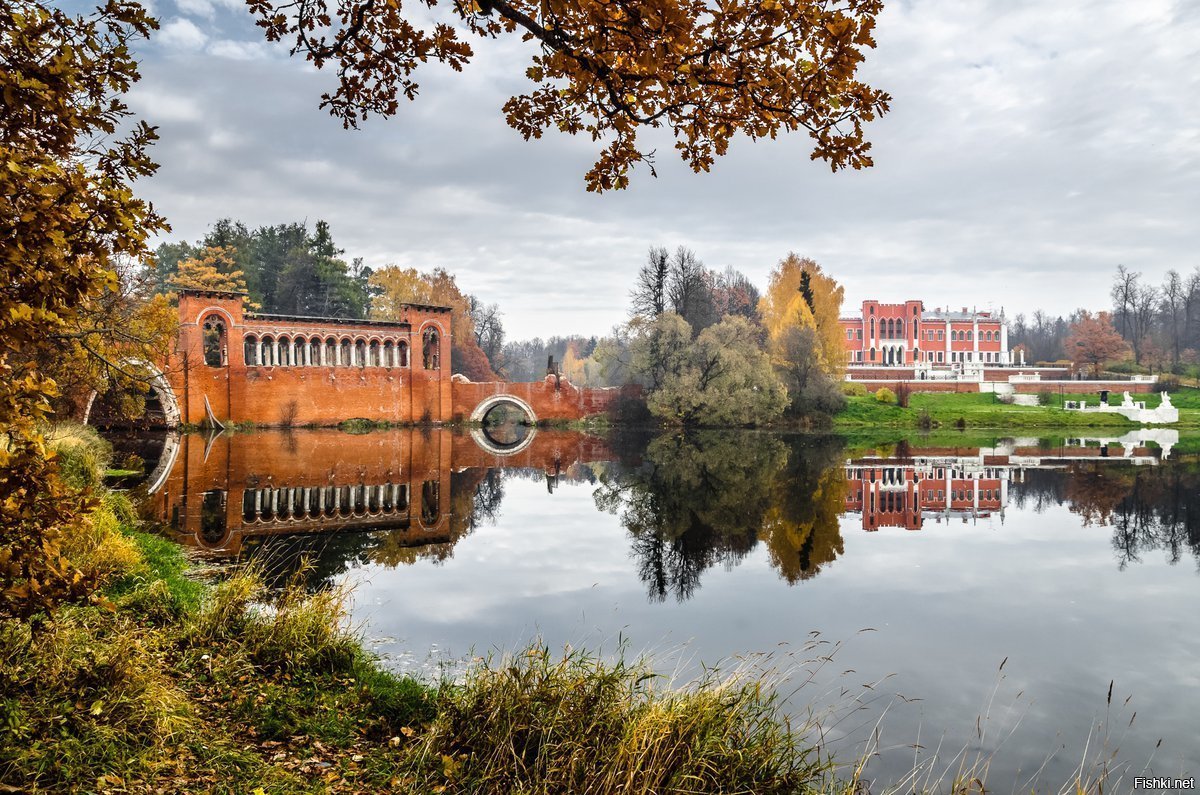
231,365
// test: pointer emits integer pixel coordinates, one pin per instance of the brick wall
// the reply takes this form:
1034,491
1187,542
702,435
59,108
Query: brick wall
238,391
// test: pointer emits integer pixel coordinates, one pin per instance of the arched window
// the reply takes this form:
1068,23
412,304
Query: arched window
431,352
214,342
330,351
389,354
268,351
402,354
360,353
872,328
430,502
900,329
314,351
346,352
250,351
285,352
872,354
373,354
298,347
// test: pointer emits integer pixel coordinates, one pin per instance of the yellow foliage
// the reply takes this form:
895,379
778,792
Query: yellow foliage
801,295
214,268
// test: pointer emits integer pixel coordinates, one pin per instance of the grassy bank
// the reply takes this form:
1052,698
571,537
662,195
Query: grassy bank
977,410
224,688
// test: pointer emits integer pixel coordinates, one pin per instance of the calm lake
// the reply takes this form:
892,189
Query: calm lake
987,590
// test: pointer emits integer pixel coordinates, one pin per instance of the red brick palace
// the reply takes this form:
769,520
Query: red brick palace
906,335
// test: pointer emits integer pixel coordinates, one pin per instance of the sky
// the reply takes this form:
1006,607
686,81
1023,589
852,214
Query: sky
1031,148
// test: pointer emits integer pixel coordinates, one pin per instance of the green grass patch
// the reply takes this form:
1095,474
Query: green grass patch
965,410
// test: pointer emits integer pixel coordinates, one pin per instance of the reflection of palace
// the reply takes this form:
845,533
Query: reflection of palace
905,489
218,492
898,493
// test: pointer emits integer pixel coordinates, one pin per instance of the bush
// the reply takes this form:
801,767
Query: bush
81,454
536,723
356,425
925,421
1045,397
822,395
629,409
853,389
1169,383
885,395
903,390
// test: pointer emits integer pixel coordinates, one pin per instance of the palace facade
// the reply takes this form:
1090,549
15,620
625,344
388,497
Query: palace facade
906,335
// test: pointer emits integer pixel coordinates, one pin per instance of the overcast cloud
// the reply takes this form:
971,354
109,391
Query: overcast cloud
1031,148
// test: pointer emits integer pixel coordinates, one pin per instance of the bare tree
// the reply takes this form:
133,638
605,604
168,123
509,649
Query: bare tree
648,298
1125,287
689,290
1191,310
1173,300
1142,311
489,331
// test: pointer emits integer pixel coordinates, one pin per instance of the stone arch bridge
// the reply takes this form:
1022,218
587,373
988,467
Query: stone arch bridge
553,398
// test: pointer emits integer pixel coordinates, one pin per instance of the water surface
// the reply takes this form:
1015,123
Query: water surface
988,590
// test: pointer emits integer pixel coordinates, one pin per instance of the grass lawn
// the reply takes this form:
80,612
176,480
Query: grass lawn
983,410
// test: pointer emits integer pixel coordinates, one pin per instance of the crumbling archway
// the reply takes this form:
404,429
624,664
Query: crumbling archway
490,443
489,403
172,417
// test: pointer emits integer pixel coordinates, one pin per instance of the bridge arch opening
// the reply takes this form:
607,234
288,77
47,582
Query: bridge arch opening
507,424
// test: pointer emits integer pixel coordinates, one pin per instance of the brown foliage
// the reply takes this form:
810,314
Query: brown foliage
1093,341
609,70
69,218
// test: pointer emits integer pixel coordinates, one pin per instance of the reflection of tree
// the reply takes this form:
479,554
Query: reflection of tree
693,501
1038,489
1094,490
1160,510
801,528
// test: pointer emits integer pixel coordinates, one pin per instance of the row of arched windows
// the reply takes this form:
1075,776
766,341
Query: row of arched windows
328,502
284,350
966,336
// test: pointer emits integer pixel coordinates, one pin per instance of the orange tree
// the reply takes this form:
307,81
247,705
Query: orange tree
68,218
610,69
396,287
1093,341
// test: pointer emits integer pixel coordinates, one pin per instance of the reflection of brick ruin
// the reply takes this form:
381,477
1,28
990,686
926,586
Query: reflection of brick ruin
230,365
220,492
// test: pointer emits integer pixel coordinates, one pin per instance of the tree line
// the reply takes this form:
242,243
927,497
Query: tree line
1157,326
709,348
290,269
